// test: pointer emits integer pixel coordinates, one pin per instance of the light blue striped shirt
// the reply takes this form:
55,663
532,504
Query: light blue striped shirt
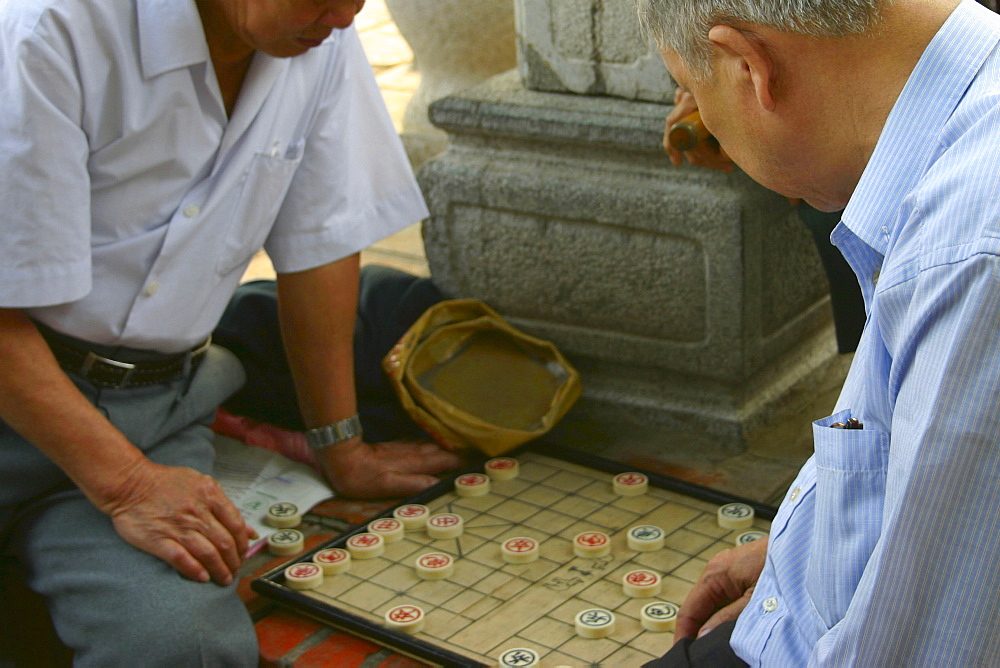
886,549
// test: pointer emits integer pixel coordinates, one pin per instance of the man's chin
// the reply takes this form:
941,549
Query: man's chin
822,205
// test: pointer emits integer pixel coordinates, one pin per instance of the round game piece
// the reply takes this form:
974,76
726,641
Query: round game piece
435,565
519,550
519,657
641,584
445,525
749,537
630,484
735,516
365,545
333,560
591,544
412,515
503,468
286,542
406,618
645,538
472,484
283,515
389,528
659,616
306,575
595,623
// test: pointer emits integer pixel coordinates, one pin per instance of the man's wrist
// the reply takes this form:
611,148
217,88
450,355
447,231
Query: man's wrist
328,435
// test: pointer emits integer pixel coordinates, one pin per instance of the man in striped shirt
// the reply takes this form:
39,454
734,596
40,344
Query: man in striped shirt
885,549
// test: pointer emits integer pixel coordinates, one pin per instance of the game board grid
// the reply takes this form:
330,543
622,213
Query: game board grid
458,609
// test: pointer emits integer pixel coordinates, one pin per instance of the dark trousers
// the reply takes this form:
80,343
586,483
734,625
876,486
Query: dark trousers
389,302
710,651
845,293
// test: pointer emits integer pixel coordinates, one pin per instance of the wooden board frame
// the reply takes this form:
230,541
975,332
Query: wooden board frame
271,584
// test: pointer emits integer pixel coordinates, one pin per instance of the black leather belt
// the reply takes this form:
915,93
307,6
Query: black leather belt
106,372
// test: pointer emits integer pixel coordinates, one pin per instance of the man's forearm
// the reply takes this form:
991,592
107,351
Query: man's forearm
42,404
317,309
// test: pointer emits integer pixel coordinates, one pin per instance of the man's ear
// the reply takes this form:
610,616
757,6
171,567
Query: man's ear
746,53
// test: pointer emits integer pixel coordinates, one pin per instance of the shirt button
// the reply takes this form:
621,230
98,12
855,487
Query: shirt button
795,494
152,288
192,211
770,604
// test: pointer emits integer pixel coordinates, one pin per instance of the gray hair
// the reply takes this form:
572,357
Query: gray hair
682,25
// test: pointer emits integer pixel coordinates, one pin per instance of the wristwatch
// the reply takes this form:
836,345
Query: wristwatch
332,434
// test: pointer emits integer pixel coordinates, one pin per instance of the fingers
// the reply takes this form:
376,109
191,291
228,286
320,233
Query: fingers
233,523
723,589
684,104
706,154
423,457
181,560
709,157
676,157
214,554
726,614
411,457
714,590
218,547
397,483
220,535
699,606
184,518
191,552
365,470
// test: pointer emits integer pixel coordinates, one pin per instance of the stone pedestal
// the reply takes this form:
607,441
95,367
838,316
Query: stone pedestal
688,299
456,44
592,47
692,302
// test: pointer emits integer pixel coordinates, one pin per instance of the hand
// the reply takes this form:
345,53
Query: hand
723,589
372,470
706,154
182,517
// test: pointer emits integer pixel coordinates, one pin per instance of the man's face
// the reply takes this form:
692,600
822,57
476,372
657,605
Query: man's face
285,28
776,148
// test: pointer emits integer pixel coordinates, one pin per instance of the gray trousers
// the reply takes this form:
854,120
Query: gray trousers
111,603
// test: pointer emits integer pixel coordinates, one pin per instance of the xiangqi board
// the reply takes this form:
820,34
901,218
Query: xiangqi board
487,606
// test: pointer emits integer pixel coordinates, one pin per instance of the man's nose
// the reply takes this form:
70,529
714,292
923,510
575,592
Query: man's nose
343,15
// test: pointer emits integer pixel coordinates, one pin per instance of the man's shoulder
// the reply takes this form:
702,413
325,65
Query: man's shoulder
958,201
29,16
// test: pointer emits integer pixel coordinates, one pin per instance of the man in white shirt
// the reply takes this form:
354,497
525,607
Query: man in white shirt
149,150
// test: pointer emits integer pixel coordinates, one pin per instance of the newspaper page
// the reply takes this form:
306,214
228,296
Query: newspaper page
255,478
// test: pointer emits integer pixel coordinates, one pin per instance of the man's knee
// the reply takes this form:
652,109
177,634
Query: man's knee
195,624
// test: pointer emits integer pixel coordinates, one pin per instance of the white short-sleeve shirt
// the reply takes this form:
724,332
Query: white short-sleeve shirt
132,204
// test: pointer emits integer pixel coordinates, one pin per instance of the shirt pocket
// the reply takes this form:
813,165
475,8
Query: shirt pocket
851,469
267,180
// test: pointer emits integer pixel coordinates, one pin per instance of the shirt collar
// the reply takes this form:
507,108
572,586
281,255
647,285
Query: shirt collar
171,35
933,90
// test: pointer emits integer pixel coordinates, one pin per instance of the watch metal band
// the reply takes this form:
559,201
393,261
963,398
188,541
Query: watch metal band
331,434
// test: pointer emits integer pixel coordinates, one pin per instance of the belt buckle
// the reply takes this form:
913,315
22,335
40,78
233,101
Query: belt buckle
93,358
